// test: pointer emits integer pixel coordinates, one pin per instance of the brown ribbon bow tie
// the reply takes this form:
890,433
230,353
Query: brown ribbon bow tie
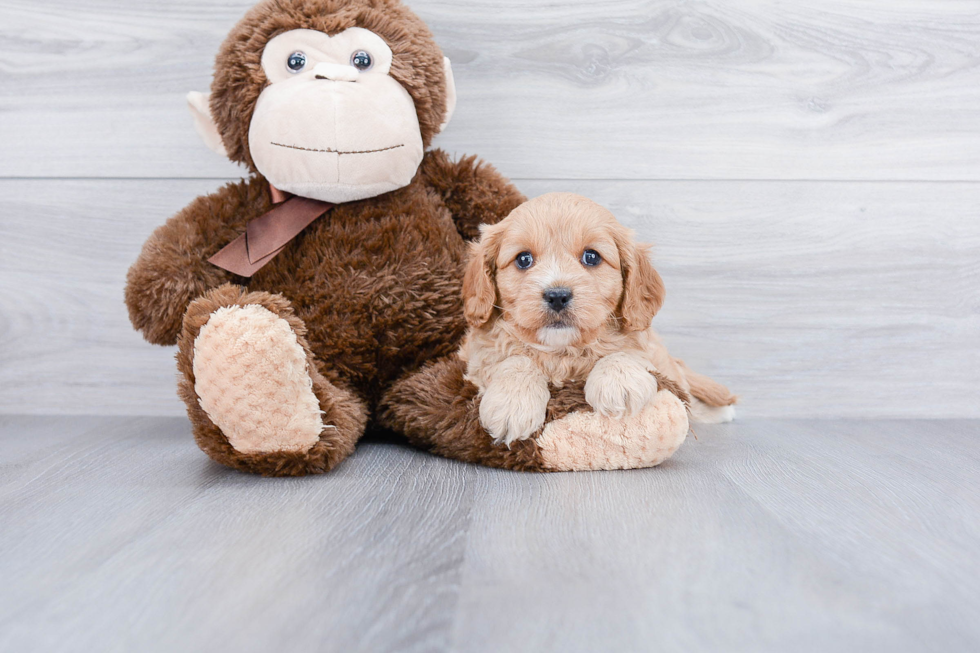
267,235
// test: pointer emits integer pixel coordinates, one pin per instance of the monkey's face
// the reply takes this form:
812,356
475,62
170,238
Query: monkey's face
333,124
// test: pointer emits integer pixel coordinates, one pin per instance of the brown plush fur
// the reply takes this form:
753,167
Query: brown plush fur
342,409
375,285
239,78
514,346
438,410
372,289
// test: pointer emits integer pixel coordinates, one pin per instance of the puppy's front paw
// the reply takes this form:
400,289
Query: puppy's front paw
513,412
620,384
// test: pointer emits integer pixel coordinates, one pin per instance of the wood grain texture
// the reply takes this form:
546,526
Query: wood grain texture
167,551
829,299
609,89
119,535
758,536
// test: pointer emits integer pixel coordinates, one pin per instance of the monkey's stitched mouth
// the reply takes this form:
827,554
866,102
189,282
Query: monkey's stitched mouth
333,151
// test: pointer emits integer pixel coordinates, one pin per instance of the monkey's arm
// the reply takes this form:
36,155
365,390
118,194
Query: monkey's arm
473,191
173,269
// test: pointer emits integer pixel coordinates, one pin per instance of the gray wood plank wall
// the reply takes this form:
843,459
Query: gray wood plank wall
809,173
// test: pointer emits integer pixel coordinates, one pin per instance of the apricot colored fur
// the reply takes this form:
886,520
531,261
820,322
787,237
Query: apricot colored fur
438,410
375,285
372,289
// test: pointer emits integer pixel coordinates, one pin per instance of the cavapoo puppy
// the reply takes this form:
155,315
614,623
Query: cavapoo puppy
559,291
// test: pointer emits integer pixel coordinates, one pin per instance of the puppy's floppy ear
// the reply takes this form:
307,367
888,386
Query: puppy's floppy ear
643,289
479,286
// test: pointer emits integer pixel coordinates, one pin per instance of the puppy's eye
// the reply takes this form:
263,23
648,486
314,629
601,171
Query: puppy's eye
591,258
361,60
296,62
524,260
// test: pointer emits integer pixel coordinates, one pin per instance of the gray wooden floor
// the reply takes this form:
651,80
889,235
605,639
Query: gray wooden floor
118,534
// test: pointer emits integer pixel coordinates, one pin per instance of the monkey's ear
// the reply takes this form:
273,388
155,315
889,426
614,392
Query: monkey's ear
199,104
450,92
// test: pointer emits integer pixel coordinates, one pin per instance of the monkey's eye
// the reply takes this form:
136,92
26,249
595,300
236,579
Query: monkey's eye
296,62
591,258
361,60
524,260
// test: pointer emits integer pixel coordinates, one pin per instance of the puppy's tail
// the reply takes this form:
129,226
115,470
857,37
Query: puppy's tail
706,389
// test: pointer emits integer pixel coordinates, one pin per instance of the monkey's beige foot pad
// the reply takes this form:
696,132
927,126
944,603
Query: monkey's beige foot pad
252,380
587,440
438,409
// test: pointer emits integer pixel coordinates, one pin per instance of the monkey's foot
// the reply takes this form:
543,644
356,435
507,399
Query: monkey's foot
252,380
253,389
437,409
588,440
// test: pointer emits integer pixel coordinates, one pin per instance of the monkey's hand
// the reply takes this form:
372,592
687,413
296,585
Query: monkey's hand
173,269
620,385
515,400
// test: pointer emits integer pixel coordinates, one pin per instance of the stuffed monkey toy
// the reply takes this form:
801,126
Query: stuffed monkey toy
322,295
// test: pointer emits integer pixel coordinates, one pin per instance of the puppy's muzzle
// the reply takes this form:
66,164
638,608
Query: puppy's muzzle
557,299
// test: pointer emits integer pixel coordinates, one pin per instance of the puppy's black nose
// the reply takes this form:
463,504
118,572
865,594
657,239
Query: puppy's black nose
557,298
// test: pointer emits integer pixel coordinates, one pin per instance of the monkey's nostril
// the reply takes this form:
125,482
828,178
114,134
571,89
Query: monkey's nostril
557,299
336,72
